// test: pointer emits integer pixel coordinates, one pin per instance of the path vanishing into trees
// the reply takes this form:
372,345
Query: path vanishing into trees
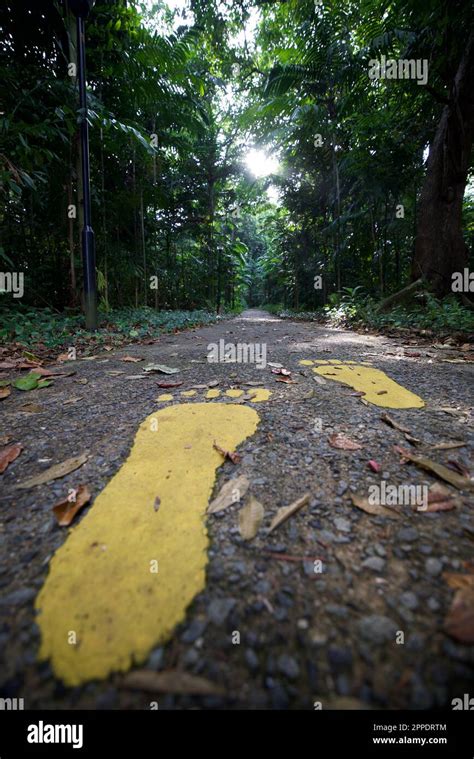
334,605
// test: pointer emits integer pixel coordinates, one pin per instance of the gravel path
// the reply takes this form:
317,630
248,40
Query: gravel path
305,636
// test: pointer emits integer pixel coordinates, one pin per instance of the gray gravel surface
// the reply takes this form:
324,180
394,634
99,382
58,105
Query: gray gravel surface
305,636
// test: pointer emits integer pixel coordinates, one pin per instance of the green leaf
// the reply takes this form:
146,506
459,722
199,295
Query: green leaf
30,382
44,383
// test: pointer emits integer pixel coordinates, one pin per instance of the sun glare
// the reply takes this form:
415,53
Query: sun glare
260,164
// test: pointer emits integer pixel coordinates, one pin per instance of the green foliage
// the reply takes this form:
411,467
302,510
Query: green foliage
43,327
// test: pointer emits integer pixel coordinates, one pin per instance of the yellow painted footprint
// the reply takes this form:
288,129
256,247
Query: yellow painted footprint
379,389
124,577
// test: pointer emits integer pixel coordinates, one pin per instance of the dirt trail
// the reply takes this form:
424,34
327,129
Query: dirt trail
330,636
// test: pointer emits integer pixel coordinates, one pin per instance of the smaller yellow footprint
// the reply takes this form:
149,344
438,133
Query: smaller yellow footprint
377,387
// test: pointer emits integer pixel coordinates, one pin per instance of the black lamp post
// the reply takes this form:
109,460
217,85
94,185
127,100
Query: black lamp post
81,9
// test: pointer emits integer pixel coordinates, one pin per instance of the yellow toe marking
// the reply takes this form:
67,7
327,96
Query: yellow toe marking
103,584
379,389
188,393
260,394
213,393
165,397
234,393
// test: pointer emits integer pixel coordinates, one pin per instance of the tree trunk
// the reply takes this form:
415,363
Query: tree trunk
439,246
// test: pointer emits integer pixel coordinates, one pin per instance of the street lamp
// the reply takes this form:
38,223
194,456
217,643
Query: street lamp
81,9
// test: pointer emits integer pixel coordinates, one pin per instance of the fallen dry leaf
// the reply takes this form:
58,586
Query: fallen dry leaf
392,423
132,359
4,392
170,681
31,408
447,446
441,471
458,581
374,466
7,455
286,380
55,472
375,509
73,400
285,512
338,440
231,455
231,492
250,518
170,384
280,370
459,622
440,498
160,368
66,509
458,467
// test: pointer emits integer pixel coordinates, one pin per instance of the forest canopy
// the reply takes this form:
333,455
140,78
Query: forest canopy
243,152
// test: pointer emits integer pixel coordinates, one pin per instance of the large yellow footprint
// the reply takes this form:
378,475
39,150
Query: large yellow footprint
377,387
124,577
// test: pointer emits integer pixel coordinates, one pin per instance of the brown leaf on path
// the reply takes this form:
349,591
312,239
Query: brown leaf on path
250,518
338,440
458,467
66,509
286,380
440,498
412,440
170,681
458,581
31,408
459,622
392,423
441,471
55,472
375,509
28,364
280,370
231,455
63,357
7,455
447,446
231,492
169,384
73,400
374,466
4,392
7,365
131,359
285,512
